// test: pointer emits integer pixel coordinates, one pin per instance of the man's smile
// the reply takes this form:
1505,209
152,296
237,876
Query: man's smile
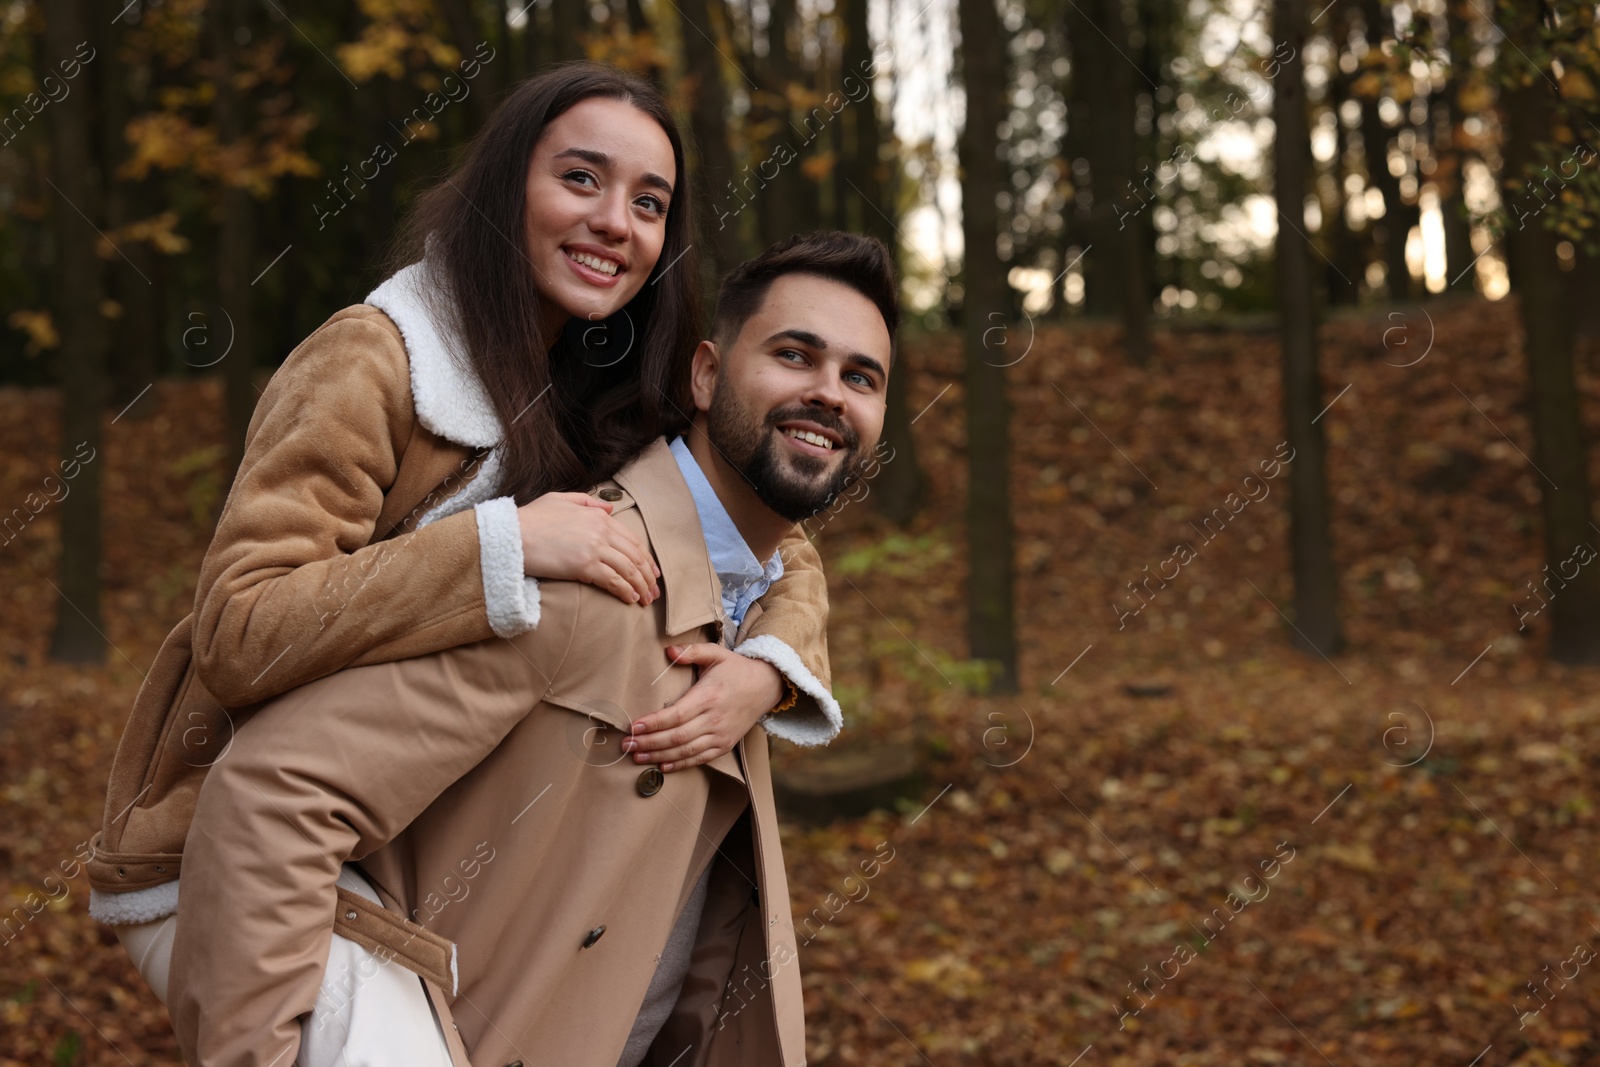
810,438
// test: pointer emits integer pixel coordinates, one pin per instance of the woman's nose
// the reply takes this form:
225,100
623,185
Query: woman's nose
611,216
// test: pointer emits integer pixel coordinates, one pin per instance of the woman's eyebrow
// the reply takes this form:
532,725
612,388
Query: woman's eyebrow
600,159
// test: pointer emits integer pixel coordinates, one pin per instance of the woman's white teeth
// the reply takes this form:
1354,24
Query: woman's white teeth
810,438
604,266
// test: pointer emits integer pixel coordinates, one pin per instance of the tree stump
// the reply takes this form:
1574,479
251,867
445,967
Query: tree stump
842,782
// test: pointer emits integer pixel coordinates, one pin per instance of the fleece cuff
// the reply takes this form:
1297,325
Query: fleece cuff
510,597
807,723
137,906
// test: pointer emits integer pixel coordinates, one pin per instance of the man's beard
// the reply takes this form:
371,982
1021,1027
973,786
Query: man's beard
750,445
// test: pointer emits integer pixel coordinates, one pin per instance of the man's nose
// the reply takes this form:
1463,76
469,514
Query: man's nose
824,391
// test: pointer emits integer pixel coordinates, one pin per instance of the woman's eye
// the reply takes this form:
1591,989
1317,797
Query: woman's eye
654,204
580,176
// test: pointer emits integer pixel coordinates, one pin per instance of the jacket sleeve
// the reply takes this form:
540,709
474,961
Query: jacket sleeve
792,635
327,773
290,589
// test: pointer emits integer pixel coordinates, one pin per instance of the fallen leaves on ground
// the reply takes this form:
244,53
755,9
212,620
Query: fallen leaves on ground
1183,842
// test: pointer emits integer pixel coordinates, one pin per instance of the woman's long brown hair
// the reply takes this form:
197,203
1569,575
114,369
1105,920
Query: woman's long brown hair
569,422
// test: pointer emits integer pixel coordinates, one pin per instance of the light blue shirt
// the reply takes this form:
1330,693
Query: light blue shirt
743,577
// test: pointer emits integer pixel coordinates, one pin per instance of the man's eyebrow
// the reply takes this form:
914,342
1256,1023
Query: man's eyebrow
600,159
861,360
805,337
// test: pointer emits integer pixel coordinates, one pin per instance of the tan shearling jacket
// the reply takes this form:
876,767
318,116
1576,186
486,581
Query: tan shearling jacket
363,527
483,792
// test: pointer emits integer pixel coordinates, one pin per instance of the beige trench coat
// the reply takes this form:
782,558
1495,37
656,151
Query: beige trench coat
318,564
483,792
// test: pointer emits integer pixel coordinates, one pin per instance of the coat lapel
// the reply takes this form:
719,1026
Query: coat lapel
691,593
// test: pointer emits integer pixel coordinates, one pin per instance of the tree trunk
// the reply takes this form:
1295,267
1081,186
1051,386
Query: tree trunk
1316,621
1558,445
898,491
1074,157
1128,235
1115,269
236,250
132,274
1157,25
1451,175
535,31
789,202
569,24
723,215
1091,179
77,637
1342,275
991,623
468,34
1398,216
1585,278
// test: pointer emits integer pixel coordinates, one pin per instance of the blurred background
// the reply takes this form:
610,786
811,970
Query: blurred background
1235,503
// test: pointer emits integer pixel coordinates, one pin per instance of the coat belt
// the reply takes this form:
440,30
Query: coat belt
394,937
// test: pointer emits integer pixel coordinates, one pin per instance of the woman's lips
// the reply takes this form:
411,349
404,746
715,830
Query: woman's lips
590,275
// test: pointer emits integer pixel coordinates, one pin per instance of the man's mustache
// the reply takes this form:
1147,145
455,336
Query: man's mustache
826,419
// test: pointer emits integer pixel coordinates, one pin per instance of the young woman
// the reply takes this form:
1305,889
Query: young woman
421,461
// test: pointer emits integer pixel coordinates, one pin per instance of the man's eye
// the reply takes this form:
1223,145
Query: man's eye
862,379
785,353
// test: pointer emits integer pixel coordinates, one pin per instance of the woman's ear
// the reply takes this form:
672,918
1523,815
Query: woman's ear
703,374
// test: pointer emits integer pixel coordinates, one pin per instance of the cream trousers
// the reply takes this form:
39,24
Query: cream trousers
370,1012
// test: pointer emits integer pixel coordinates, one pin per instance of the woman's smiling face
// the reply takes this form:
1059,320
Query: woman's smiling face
599,188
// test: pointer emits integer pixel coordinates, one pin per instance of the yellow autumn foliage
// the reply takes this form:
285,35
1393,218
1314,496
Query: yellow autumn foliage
817,167
399,35
39,326
1576,85
159,231
163,141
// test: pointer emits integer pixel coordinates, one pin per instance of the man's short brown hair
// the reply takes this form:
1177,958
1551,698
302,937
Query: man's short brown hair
851,259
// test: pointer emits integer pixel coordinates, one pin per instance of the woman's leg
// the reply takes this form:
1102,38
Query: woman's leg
150,945
370,1012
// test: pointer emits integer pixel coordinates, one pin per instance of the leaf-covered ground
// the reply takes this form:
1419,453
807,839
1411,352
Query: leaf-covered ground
1406,831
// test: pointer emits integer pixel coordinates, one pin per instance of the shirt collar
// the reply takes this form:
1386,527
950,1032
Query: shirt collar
742,576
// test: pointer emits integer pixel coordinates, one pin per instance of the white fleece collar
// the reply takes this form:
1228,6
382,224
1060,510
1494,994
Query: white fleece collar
445,390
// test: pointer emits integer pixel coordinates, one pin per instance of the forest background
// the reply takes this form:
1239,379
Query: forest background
1238,515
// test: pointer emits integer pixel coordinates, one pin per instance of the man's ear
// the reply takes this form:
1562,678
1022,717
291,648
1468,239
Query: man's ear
703,372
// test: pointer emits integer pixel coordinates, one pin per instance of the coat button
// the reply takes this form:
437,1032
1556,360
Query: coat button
594,935
608,493
650,780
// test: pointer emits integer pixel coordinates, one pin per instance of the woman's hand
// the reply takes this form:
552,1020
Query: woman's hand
732,692
571,536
